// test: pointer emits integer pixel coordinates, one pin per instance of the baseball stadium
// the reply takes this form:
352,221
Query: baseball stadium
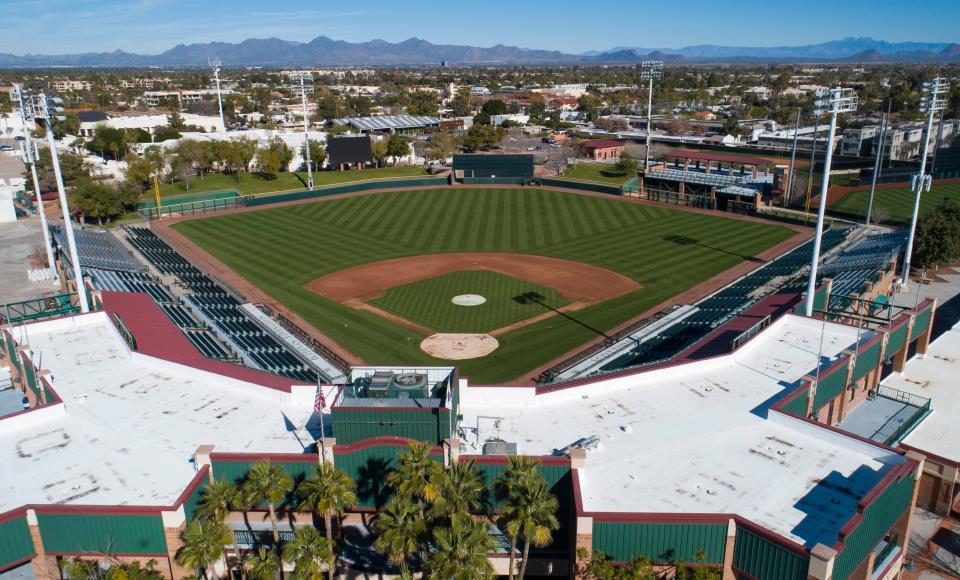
650,355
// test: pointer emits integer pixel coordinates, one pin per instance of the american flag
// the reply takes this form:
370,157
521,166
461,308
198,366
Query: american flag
319,402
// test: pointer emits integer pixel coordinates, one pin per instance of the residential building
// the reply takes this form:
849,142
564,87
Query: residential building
71,85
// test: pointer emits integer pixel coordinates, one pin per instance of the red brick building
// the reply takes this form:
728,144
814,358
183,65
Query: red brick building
602,148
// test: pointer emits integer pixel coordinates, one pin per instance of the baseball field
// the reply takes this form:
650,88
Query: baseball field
378,273
896,204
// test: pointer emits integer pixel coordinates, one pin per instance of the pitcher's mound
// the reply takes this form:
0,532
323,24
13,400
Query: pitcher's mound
450,346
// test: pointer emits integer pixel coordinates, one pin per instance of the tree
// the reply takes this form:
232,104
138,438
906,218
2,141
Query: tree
182,169
397,146
136,175
108,142
423,103
489,109
70,125
263,565
267,483
460,104
378,151
483,136
627,165
328,492
459,490
530,513
165,133
309,553
416,475
194,153
217,500
96,199
157,157
76,568
938,236
204,543
461,550
512,483
72,169
318,153
400,530
175,121
442,145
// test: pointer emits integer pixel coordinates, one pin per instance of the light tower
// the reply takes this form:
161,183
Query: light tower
931,103
302,77
215,63
650,69
40,108
31,157
833,101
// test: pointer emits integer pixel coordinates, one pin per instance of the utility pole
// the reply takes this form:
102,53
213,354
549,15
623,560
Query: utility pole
876,168
793,160
833,101
41,110
215,63
31,155
650,69
931,104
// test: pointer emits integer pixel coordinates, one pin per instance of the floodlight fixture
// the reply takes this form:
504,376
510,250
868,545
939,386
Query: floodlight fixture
931,103
215,64
833,101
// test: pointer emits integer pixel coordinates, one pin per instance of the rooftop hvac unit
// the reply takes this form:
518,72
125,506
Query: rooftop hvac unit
499,447
413,385
379,387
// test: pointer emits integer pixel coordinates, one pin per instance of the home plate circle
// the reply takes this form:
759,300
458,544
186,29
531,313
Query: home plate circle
468,300
454,346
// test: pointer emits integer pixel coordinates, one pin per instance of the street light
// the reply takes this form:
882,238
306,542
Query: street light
931,103
833,101
45,109
302,77
650,69
31,157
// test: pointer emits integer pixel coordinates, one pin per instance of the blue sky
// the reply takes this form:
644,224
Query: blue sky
152,26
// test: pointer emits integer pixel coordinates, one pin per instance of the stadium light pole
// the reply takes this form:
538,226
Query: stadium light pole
793,161
215,63
876,168
31,156
650,70
931,104
306,131
41,109
834,101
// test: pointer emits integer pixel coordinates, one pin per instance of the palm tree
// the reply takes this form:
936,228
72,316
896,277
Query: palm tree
416,474
309,553
204,543
400,530
512,483
532,515
217,500
269,483
263,566
459,489
328,492
461,550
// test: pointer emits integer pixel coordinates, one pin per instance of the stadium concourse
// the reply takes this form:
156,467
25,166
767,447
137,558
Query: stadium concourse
717,436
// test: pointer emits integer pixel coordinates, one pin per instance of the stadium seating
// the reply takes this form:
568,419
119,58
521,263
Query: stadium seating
222,309
98,250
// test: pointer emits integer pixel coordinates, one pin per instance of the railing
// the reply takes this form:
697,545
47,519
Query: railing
40,308
192,208
260,537
318,347
750,332
923,408
125,332
675,198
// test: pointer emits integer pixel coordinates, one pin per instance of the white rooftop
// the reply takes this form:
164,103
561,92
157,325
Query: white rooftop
698,438
130,423
936,376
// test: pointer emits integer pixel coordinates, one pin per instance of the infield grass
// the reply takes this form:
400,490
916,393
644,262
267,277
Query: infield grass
895,205
283,248
428,301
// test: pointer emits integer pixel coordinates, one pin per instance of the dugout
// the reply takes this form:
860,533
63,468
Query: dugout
346,152
517,166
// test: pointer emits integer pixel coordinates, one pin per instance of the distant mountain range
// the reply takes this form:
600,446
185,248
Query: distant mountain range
324,51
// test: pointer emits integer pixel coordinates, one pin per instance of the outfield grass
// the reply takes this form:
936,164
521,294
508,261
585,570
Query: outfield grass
281,249
602,172
251,183
895,204
428,301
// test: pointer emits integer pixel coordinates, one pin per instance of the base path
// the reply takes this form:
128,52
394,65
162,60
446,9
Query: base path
573,280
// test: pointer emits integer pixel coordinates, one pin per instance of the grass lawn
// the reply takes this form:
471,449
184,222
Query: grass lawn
895,204
428,301
602,172
251,184
281,249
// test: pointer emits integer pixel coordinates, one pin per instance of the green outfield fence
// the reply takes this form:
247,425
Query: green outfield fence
189,198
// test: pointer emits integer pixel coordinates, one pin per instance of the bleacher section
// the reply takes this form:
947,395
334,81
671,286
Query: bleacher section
780,274
222,310
98,250
860,263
